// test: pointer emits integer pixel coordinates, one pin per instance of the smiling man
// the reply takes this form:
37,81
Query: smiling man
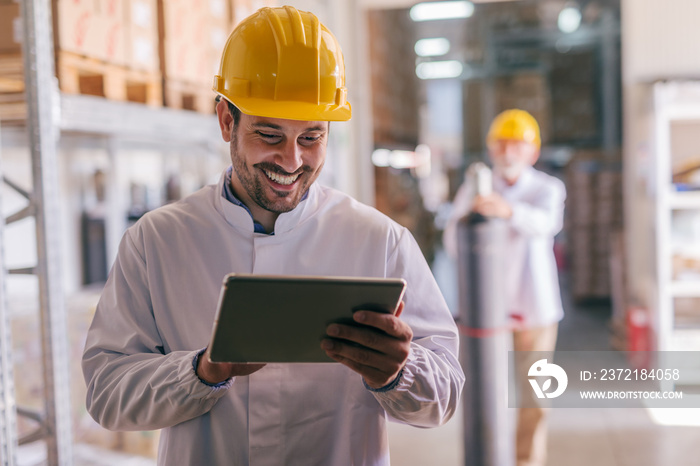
281,82
275,161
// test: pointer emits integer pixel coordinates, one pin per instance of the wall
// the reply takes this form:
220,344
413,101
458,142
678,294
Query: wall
659,41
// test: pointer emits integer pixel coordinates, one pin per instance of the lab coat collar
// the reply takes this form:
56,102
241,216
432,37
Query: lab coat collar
239,218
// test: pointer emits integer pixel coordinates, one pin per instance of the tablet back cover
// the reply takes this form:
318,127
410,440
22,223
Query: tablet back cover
284,319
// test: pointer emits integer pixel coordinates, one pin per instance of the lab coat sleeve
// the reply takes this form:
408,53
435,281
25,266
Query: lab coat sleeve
543,215
131,383
432,380
461,205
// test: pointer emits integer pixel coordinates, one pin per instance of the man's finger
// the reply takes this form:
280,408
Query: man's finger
374,377
372,338
388,323
366,361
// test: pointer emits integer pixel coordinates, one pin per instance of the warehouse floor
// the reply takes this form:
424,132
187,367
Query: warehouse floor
577,437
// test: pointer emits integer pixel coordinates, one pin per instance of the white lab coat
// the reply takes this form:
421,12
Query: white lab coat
531,281
157,311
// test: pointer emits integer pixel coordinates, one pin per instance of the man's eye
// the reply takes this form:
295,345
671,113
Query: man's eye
309,139
268,135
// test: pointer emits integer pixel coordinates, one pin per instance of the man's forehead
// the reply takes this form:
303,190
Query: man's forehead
512,142
284,124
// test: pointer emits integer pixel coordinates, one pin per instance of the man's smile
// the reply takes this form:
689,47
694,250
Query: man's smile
278,178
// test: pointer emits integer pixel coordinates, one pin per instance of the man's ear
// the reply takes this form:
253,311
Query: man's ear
535,156
225,119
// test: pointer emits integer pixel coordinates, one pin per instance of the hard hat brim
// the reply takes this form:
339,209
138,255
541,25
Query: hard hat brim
291,110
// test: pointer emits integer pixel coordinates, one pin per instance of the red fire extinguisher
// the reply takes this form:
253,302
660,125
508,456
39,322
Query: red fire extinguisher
639,337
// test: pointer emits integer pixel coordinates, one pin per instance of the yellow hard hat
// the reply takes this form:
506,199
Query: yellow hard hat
515,124
283,63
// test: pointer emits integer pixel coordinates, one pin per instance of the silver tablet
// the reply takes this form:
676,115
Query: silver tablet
266,318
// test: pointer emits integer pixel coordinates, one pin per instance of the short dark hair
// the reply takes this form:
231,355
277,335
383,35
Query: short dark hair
235,111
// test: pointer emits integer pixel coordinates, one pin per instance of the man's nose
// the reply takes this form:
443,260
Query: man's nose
511,152
289,158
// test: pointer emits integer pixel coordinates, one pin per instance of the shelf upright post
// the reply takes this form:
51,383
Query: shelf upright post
42,116
662,172
8,406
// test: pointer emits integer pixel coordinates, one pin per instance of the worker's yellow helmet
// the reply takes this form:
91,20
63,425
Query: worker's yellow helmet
283,63
515,124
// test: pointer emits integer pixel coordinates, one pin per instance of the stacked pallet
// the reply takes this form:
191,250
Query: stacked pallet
102,49
593,215
106,48
145,51
191,32
192,36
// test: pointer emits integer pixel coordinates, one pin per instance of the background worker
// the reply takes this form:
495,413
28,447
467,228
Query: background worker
145,363
532,203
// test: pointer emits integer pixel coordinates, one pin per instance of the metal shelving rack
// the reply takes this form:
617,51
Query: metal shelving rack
672,102
49,115
55,421
8,411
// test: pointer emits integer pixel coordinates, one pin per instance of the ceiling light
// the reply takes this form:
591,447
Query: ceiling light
429,11
433,47
439,69
569,19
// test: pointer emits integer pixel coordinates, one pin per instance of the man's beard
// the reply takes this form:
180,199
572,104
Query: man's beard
510,172
256,188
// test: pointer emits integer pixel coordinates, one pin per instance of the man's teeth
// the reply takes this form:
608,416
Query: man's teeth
282,179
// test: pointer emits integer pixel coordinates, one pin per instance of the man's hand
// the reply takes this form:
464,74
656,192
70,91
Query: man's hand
377,350
492,205
216,372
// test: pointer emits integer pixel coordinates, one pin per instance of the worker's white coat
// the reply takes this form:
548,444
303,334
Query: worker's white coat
530,279
157,311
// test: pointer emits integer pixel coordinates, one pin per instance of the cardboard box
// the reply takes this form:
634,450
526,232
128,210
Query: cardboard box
593,212
193,34
10,29
142,35
112,18
76,26
220,11
241,9
90,28
218,35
